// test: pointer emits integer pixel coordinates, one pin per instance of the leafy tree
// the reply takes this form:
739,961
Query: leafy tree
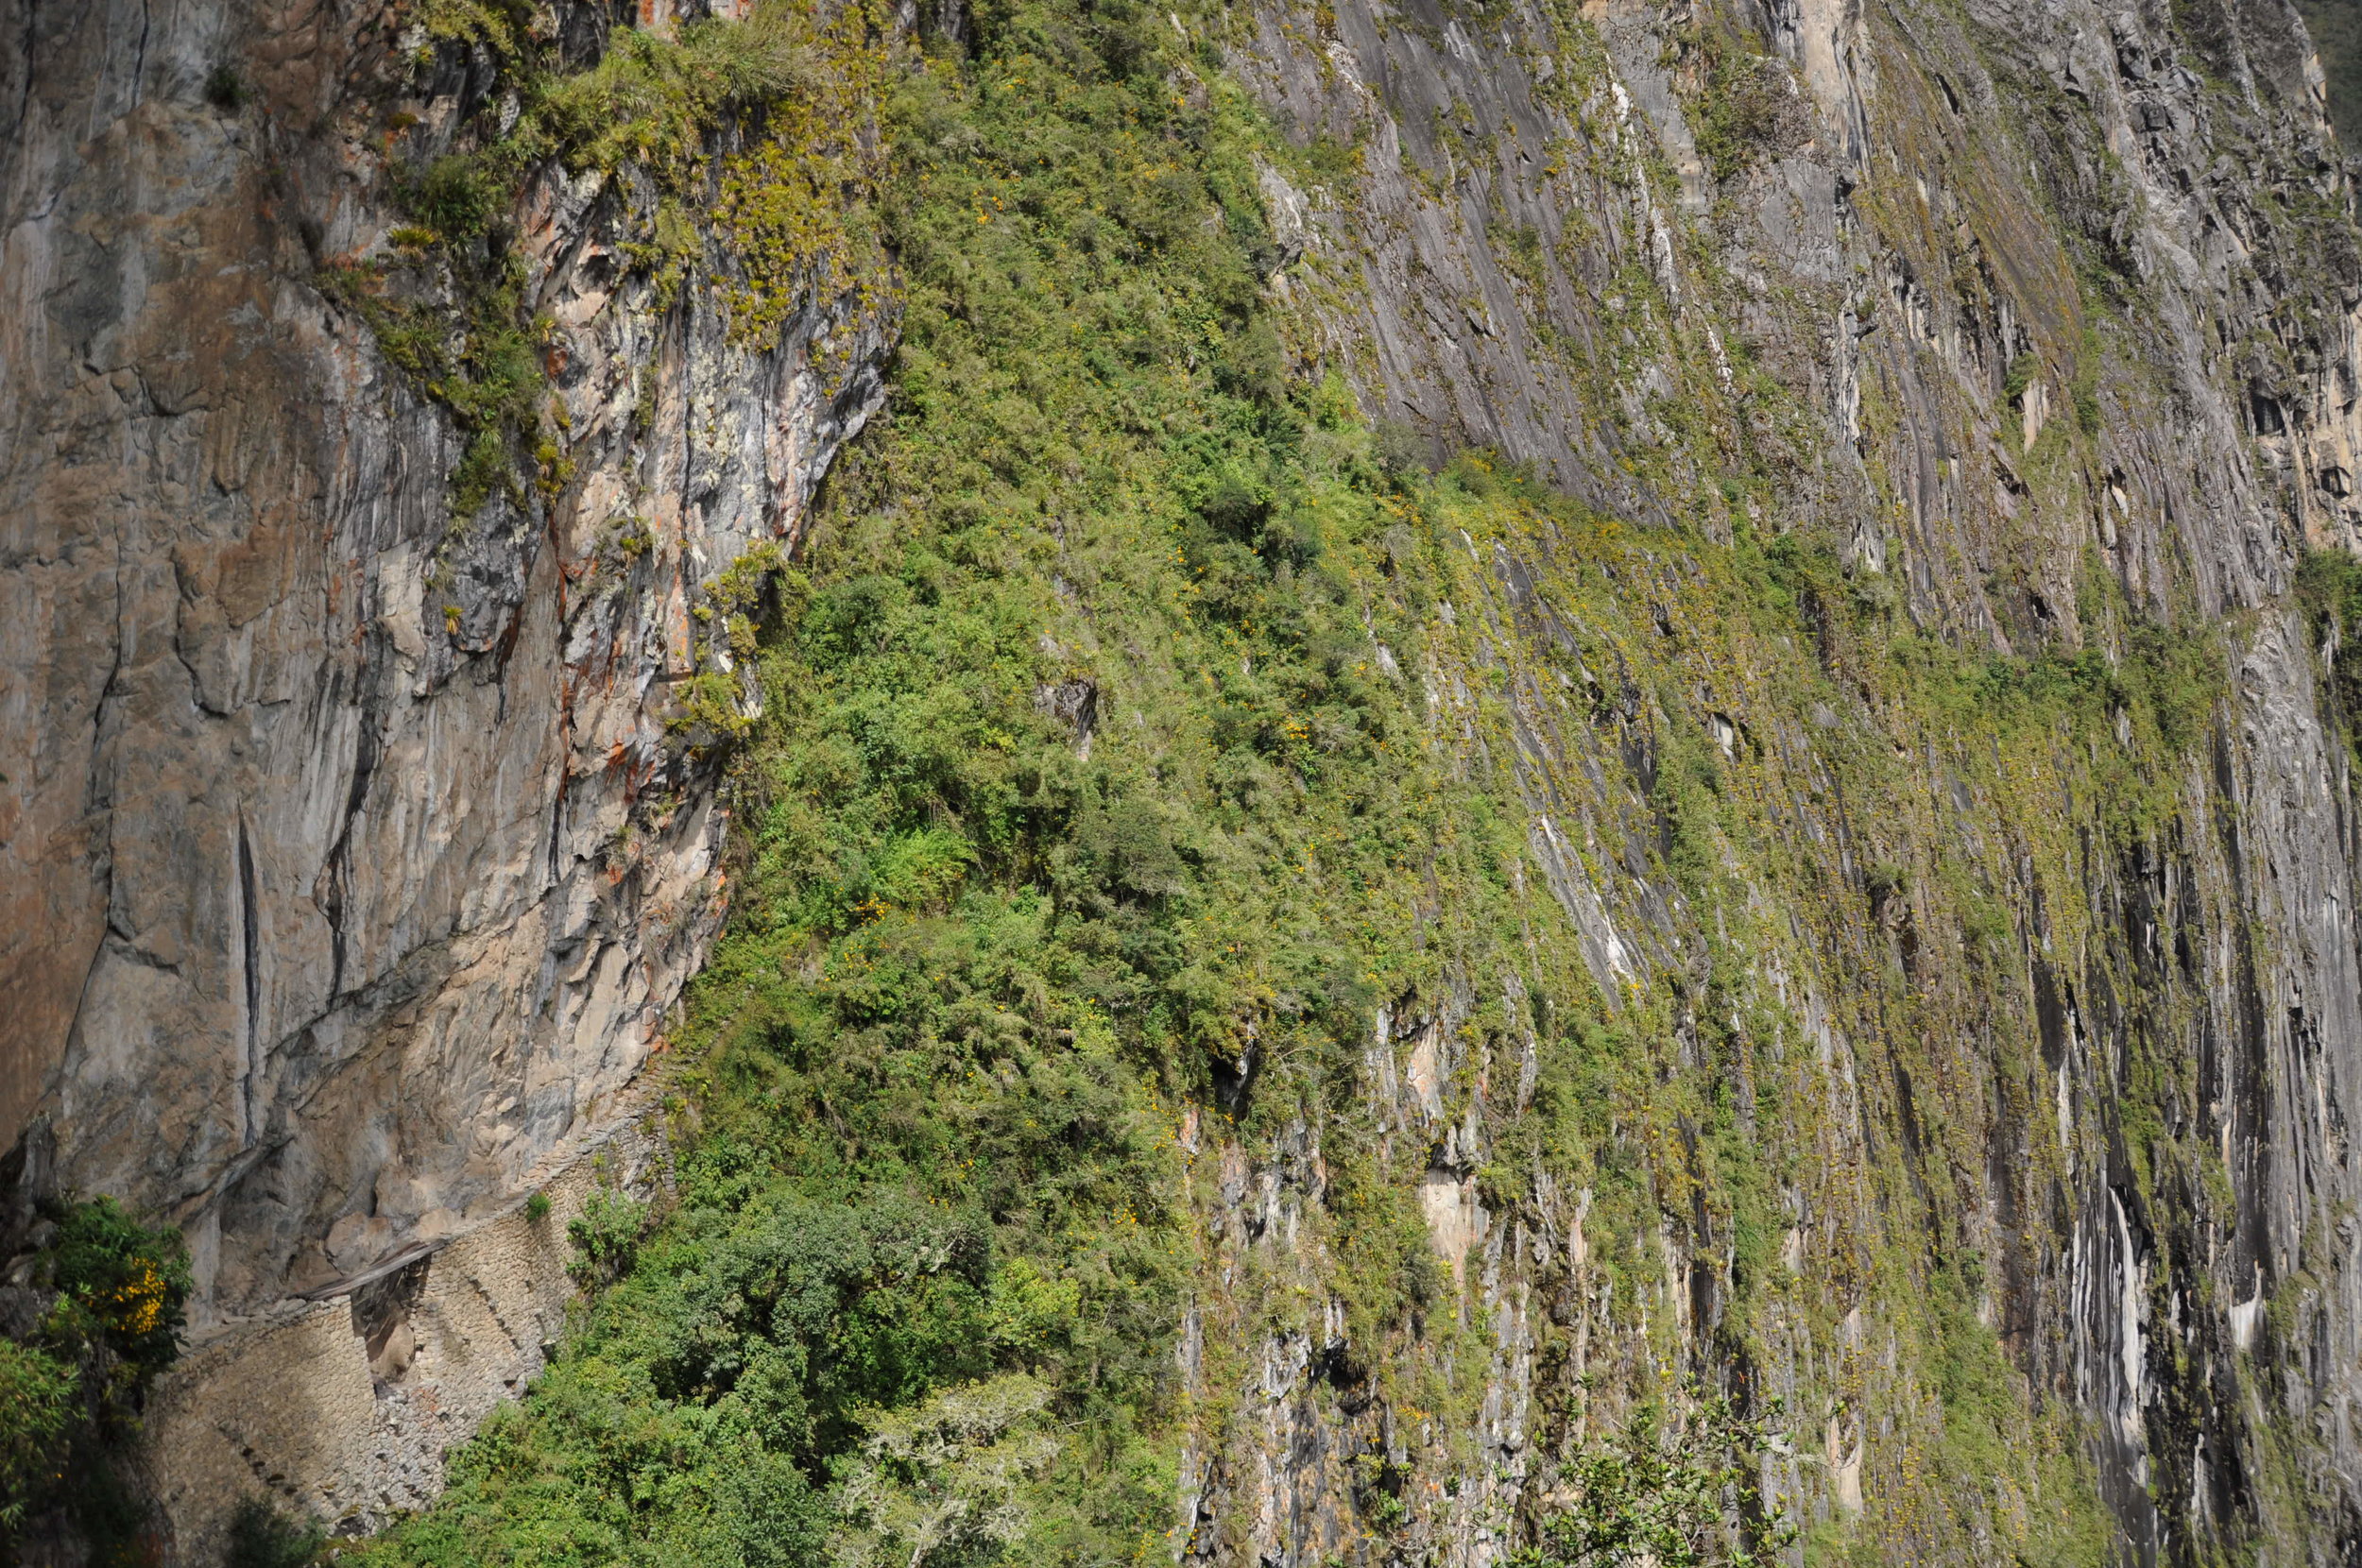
124,1288
114,1292
606,1236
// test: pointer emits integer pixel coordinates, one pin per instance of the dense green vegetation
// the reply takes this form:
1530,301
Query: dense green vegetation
71,1390
1141,727
1682,1495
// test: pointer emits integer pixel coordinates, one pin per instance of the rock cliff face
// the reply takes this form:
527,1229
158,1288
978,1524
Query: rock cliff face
353,851
1891,257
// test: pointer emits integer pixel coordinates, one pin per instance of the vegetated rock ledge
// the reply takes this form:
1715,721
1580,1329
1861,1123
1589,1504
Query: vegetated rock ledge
354,852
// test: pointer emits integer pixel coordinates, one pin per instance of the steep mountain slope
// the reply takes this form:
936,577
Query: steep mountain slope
1797,972
1528,724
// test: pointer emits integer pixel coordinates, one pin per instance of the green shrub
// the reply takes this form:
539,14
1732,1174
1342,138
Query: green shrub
40,1403
2085,390
606,1236
125,1286
1746,100
225,90
2021,374
459,195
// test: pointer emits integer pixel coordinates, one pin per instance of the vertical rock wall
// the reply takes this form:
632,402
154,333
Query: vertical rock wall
351,852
